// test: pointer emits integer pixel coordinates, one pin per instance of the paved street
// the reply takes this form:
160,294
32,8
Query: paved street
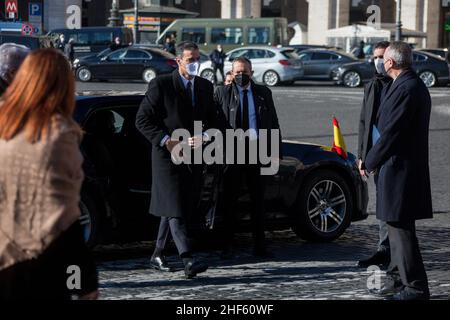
299,270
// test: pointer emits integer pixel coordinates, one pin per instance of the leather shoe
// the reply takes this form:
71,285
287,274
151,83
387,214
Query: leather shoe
380,258
160,263
192,268
408,295
227,253
262,253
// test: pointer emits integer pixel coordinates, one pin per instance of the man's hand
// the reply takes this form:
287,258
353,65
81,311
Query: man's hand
90,296
170,144
362,171
195,142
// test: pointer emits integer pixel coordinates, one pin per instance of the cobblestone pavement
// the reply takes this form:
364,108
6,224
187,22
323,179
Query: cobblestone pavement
298,269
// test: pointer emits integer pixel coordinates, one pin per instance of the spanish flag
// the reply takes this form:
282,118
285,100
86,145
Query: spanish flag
339,143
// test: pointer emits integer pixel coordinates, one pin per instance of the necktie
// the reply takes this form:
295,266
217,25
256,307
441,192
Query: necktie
245,120
189,92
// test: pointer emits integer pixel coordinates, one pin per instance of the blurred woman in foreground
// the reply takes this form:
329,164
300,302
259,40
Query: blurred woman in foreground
42,252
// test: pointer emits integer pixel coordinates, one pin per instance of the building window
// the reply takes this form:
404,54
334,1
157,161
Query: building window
226,35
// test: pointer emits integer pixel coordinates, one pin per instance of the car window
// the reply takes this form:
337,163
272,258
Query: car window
239,53
321,56
258,35
136,54
197,35
259,54
101,38
334,57
418,57
290,54
226,35
305,56
116,55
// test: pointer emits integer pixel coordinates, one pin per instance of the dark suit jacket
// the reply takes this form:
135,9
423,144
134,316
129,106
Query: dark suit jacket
164,109
227,100
401,153
370,106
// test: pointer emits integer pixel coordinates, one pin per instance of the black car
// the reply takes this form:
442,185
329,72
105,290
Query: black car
319,63
442,52
316,192
130,63
432,69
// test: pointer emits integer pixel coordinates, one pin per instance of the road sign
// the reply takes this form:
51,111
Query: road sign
34,9
27,29
11,6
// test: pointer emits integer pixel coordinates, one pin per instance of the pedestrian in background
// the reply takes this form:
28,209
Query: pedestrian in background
69,51
400,157
40,182
11,57
61,43
228,78
117,44
367,138
169,46
218,60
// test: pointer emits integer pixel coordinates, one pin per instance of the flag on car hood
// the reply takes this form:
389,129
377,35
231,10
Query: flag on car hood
339,143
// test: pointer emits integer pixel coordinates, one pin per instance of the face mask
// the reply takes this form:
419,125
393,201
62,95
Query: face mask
192,68
242,79
379,66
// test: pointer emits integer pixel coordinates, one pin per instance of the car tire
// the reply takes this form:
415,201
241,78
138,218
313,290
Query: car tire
84,74
89,220
271,78
351,79
208,74
148,75
428,78
313,218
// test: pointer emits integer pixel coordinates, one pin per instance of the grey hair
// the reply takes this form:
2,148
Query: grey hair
400,52
186,45
11,57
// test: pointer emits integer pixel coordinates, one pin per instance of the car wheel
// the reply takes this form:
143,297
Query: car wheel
208,74
89,220
84,74
428,78
148,75
324,207
352,79
271,78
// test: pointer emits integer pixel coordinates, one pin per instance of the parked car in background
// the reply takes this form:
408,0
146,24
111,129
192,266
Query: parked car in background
432,69
31,42
131,63
302,47
271,66
318,63
443,52
316,192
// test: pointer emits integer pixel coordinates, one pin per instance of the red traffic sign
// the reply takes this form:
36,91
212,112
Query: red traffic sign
11,6
27,29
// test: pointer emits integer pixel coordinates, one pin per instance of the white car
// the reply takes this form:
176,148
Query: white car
271,65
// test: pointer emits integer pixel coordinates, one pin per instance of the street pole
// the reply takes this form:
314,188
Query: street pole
398,30
114,18
136,22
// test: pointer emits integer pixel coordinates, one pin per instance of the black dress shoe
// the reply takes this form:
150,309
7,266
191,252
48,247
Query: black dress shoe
160,263
380,258
227,254
262,253
192,268
407,295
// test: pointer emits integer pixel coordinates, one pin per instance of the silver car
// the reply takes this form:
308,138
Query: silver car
271,65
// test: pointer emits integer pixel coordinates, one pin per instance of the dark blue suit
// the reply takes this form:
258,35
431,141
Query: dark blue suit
403,187
401,153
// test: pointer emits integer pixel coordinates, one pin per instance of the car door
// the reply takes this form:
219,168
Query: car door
109,66
134,63
305,58
261,60
320,65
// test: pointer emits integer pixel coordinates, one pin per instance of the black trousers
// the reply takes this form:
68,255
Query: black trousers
233,178
177,227
220,68
406,257
383,243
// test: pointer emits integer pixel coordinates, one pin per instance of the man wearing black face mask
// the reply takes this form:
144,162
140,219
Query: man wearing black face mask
367,137
249,107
